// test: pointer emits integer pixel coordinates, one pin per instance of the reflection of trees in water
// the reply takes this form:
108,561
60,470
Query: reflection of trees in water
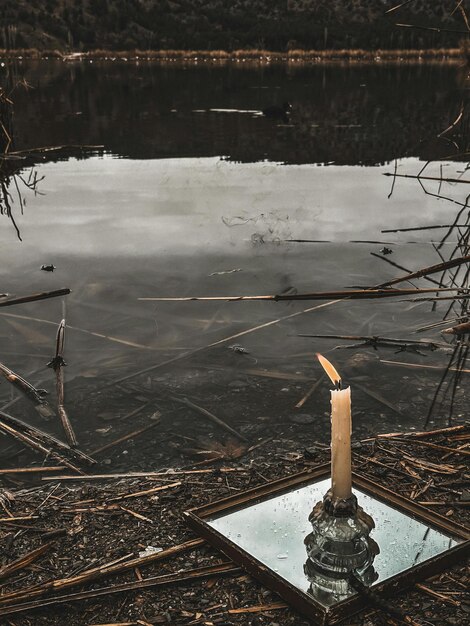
346,114
13,180
12,185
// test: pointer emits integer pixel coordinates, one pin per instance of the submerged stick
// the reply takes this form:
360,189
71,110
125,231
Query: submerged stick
436,299
36,445
35,297
431,269
33,394
423,367
210,415
131,435
375,340
355,294
422,329
48,442
312,389
57,363
400,267
80,330
219,342
459,329
378,397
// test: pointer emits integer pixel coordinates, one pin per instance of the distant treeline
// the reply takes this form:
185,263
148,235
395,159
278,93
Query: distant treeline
278,25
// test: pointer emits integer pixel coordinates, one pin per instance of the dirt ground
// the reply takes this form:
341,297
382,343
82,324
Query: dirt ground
92,523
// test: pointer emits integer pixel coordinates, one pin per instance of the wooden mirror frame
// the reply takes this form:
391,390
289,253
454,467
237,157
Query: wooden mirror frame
197,519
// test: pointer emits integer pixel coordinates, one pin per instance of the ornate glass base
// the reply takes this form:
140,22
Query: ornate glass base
339,546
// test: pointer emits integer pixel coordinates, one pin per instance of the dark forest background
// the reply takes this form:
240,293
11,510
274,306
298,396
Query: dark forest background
228,24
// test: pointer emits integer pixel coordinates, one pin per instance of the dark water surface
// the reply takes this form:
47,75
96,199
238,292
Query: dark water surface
195,195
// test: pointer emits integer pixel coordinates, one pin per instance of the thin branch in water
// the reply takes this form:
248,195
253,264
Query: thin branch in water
440,182
436,298
422,329
425,271
57,363
374,341
209,415
400,267
394,179
221,342
436,178
356,294
456,221
439,386
461,360
415,228
33,394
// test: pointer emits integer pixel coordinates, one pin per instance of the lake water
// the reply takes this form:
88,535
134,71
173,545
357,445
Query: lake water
196,193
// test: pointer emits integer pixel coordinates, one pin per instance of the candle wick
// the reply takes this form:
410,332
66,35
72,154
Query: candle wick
338,385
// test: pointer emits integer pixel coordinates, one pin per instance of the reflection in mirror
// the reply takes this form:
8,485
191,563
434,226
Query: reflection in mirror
273,532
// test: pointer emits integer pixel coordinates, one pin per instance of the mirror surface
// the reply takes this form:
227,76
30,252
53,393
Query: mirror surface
273,531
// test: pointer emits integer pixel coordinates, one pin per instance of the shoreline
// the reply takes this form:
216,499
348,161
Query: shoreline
259,57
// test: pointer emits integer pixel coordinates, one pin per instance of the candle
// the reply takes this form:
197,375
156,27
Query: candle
340,434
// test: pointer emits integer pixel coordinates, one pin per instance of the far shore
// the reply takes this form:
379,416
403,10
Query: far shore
432,55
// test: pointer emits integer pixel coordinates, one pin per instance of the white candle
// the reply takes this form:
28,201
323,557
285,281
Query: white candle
340,434
341,443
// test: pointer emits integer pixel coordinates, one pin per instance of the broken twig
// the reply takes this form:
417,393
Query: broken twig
223,569
24,561
97,573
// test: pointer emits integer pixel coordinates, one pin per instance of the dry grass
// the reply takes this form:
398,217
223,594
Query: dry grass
253,55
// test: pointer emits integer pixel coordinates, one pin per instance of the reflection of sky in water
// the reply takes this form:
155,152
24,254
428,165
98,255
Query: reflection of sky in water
103,206
273,531
121,229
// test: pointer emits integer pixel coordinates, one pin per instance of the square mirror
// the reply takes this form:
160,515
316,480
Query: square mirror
264,529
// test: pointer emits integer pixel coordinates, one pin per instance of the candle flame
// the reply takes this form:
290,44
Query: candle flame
329,369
